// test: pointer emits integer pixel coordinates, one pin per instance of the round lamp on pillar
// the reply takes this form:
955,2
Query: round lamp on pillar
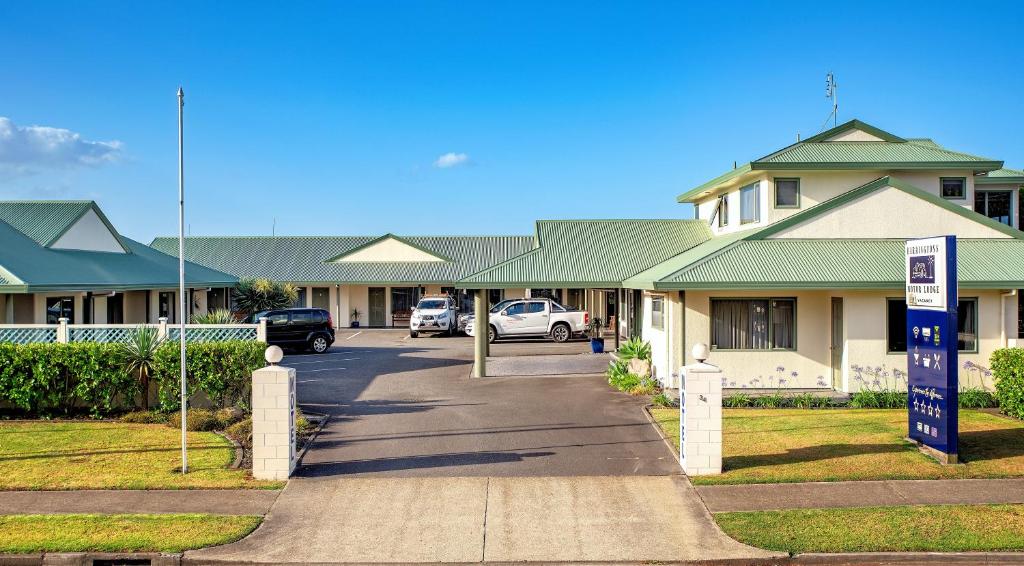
700,352
273,355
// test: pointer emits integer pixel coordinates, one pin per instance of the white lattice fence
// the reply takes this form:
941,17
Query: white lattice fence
213,332
96,333
110,333
28,333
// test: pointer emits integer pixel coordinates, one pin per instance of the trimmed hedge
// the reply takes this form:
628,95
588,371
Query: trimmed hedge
221,370
45,379
58,378
1008,371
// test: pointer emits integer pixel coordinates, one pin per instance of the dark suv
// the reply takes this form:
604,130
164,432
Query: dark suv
302,329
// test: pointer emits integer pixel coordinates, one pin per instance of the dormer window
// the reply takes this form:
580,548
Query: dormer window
953,187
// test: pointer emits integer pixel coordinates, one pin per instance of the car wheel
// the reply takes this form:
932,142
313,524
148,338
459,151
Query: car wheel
560,333
492,334
319,345
413,334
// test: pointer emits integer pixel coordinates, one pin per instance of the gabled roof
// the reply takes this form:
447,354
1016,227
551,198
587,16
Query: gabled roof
386,237
591,253
27,267
45,221
818,152
308,259
752,259
1000,177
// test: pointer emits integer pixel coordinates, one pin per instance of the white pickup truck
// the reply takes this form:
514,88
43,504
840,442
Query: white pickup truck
534,317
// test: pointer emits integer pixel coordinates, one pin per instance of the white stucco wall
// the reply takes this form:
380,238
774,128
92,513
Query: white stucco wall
889,213
89,233
390,249
864,340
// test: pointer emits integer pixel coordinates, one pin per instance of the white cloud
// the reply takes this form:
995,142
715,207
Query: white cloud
450,160
29,149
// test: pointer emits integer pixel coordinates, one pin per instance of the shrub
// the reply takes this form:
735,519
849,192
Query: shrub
1008,371
635,348
663,400
221,370
771,401
736,401
218,316
976,398
144,417
241,432
136,356
228,416
301,424
878,399
256,295
803,401
199,420
49,378
645,386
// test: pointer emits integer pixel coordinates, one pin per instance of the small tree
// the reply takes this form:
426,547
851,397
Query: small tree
257,295
137,356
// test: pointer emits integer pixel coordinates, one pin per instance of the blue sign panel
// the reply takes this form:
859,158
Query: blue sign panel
932,343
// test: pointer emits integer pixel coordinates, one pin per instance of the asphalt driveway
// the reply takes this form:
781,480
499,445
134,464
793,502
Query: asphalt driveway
404,407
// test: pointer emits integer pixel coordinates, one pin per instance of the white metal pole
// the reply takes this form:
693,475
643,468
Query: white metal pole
181,277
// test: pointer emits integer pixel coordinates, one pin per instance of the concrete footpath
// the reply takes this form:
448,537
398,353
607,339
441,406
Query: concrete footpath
549,519
218,501
764,497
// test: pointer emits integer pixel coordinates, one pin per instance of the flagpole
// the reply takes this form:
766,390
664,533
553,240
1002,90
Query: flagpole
181,277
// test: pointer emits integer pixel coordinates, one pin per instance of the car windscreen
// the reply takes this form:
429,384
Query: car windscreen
501,305
432,304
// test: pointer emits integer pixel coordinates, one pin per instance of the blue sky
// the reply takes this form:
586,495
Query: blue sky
331,117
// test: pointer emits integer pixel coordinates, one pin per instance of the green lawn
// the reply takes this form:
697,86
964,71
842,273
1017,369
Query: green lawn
104,455
120,533
796,445
933,528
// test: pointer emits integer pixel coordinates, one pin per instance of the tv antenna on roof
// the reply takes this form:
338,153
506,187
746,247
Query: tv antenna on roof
831,94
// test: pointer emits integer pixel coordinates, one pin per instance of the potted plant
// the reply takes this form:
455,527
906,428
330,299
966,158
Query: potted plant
355,318
595,329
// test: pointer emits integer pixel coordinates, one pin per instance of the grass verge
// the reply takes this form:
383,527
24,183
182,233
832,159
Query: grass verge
933,528
795,445
120,533
104,455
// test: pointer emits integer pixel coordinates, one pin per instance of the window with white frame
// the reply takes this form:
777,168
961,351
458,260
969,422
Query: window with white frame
658,313
750,204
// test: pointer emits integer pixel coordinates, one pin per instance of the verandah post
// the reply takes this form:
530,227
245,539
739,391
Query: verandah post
482,328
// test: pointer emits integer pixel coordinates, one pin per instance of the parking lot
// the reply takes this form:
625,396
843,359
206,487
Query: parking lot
407,407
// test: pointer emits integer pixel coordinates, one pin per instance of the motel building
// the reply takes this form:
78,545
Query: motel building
791,270
63,259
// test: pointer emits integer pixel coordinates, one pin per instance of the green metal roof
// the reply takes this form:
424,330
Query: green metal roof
307,259
1000,177
893,153
592,253
26,266
750,260
45,221
843,263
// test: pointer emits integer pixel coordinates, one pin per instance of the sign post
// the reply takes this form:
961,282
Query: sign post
931,288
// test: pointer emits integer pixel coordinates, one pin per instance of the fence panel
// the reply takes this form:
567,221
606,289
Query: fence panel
28,334
111,333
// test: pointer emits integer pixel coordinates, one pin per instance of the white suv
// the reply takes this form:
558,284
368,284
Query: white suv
433,314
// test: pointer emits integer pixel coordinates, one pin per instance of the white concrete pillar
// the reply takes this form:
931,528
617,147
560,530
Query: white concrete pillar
273,421
62,330
700,418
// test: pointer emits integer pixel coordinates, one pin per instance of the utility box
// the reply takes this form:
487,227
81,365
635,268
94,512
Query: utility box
273,423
